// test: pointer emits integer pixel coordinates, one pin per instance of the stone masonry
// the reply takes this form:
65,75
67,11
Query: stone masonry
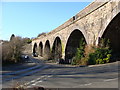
92,22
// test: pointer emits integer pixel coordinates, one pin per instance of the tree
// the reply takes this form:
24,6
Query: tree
27,40
16,47
12,37
11,51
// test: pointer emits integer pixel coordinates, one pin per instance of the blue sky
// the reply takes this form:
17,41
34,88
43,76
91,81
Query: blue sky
28,19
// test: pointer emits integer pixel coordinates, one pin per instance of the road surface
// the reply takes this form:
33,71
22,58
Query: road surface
63,76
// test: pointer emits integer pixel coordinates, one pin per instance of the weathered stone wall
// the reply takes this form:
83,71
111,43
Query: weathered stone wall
91,21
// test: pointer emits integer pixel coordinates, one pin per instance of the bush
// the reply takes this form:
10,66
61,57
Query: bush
93,54
101,54
12,50
92,59
79,54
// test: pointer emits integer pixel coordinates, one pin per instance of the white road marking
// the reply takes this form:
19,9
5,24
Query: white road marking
87,84
33,81
40,81
38,78
43,76
36,83
33,84
50,76
28,86
110,79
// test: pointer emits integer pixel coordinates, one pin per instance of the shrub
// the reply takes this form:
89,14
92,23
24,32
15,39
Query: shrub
79,53
93,54
101,54
12,50
92,59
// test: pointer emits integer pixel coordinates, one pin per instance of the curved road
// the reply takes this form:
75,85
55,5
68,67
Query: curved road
61,76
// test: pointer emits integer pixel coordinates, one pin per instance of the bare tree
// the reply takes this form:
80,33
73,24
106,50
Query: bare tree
11,51
16,47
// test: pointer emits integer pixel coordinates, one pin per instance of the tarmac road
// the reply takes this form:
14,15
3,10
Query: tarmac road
62,76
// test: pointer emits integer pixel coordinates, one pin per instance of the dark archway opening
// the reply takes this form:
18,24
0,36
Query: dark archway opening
41,49
35,53
72,44
57,50
47,53
112,33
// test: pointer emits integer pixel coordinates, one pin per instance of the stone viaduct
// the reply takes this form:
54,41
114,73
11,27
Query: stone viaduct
98,20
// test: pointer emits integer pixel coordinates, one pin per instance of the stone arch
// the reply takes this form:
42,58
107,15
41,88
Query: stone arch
35,48
106,23
112,32
84,33
41,49
73,43
57,49
47,52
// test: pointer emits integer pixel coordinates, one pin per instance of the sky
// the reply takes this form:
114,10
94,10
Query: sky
28,19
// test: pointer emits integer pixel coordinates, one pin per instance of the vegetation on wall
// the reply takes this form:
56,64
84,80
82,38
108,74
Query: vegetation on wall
62,47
